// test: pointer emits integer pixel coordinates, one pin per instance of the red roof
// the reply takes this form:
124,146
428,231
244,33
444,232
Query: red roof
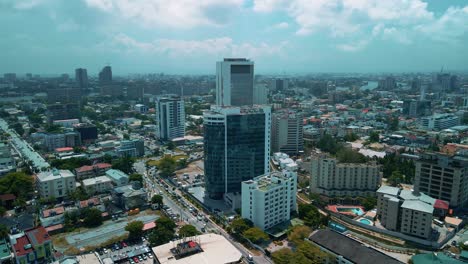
192,244
103,165
33,237
86,203
439,204
66,149
57,210
149,226
7,197
84,168
54,227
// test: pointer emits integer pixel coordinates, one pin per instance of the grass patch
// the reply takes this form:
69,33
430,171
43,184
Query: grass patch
156,162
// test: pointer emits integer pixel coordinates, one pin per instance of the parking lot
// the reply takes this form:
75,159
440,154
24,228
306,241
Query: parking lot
126,252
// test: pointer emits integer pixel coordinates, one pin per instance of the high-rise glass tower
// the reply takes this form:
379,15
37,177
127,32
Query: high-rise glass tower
170,117
234,82
236,147
81,77
105,75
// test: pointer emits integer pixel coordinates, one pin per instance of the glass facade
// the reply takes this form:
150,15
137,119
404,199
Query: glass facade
242,143
241,85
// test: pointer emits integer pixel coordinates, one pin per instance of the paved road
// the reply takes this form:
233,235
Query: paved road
23,148
155,188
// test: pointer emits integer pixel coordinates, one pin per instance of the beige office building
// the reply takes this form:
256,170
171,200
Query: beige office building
55,183
332,178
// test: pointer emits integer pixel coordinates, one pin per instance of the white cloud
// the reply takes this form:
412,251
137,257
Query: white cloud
223,46
397,35
177,14
452,25
354,46
278,26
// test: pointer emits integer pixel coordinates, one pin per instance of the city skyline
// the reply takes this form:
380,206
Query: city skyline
291,37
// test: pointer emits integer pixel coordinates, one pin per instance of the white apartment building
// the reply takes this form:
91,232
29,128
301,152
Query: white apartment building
170,117
440,121
406,211
234,82
268,200
332,178
99,184
55,183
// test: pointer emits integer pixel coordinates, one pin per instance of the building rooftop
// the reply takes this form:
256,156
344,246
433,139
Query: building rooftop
32,238
435,258
96,180
418,205
4,250
410,195
54,174
116,174
54,211
349,248
215,249
389,190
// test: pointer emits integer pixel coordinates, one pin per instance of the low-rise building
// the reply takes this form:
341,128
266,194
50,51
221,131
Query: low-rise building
32,246
5,253
99,184
53,216
131,148
347,250
270,199
406,211
331,178
55,183
118,177
130,196
202,249
89,171
7,162
439,121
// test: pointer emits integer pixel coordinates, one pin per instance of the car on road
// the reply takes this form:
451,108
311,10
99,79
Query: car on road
454,242
135,259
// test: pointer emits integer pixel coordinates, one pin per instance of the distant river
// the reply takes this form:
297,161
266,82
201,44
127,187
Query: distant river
371,85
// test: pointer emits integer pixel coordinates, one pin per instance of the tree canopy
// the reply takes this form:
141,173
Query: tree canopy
347,155
157,199
136,177
298,233
163,233
255,234
18,183
167,166
329,144
124,164
188,231
135,229
92,217
310,215
69,164
240,225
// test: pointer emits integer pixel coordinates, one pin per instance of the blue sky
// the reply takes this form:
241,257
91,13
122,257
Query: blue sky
189,36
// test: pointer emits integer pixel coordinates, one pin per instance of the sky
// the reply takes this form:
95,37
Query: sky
189,36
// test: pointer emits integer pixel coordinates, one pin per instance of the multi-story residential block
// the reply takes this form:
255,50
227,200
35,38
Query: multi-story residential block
89,171
286,132
99,184
53,216
234,82
55,183
408,212
131,148
7,162
443,177
118,177
141,108
130,196
62,111
170,117
270,199
331,178
88,132
52,141
32,246
439,122
236,147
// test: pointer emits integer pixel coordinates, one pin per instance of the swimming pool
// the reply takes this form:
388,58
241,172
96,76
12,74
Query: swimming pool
355,210
365,221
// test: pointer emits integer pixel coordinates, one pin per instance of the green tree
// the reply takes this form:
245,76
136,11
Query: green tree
282,256
167,166
181,163
163,233
18,128
310,215
170,145
92,217
369,203
124,164
392,123
2,211
329,144
17,183
188,231
396,178
136,177
350,137
374,136
157,199
298,233
3,231
79,194
347,155
255,234
135,229
240,225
